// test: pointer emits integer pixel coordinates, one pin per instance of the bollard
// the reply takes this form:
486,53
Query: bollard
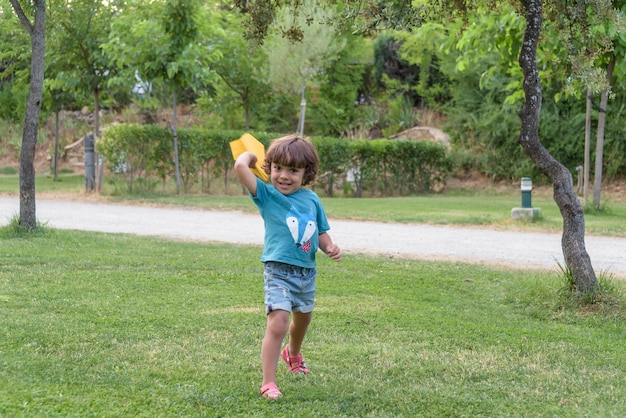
90,170
526,212
527,190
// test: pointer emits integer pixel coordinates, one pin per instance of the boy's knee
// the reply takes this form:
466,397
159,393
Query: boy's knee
278,322
302,319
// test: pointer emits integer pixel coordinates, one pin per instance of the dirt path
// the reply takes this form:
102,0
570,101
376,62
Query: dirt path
515,249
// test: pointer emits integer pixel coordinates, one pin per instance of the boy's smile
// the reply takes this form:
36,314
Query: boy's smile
287,180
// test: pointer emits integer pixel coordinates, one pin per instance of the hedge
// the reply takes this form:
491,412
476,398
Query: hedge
143,155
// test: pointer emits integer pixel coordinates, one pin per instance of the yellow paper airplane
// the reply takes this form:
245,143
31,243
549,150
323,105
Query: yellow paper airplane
249,143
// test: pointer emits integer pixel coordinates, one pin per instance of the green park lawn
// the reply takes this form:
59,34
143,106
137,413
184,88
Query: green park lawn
113,325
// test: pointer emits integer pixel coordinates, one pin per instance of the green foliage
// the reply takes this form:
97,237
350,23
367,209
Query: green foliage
298,66
9,170
334,161
182,57
78,72
463,66
389,65
331,108
615,137
430,49
141,152
240,88
392,168
137,152
12,100
10,138
15,51
589,32
385,168
293,64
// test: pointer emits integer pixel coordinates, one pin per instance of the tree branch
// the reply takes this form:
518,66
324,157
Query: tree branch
20,14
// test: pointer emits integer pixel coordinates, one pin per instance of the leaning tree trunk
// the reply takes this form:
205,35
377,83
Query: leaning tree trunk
597,174
37,32
573,240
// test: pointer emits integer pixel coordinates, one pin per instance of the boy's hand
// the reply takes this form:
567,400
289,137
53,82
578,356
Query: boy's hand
329,247
253,160
334,252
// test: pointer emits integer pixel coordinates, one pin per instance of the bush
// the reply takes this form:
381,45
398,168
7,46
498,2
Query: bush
391,168
144,153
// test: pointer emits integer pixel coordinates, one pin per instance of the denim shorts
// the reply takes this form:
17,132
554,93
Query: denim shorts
288,288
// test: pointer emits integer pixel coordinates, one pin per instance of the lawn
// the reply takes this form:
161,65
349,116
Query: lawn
114,325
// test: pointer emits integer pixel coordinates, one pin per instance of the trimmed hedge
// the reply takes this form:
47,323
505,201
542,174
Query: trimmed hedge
143,154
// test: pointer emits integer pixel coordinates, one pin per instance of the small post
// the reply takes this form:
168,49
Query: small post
527,191
90,170
526,212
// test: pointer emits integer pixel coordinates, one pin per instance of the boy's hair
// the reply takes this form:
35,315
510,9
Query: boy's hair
293,151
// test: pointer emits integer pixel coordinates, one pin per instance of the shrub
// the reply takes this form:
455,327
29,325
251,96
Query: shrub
143,153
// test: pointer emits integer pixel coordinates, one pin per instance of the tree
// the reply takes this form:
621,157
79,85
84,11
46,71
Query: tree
293,62
77,62
168,41
37,33
576,257
241,69
599,28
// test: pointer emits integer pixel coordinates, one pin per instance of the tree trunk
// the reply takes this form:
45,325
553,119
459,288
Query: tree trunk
587,157
96,119
37,32
577,259
604,101
175,135
56,145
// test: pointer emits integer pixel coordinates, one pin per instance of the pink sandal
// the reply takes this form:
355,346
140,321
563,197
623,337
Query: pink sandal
296,364
270,391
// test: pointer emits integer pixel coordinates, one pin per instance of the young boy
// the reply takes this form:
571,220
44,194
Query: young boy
295,227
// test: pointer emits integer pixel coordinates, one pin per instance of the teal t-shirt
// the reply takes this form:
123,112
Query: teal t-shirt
293,224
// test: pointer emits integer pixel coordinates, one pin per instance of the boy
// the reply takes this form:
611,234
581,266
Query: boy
295,227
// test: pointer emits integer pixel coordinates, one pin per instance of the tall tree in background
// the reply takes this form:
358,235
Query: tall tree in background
37,32
592,33
76,60
302,55
168,41
241,70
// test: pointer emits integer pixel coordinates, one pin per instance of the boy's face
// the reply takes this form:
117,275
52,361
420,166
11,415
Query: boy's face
286,179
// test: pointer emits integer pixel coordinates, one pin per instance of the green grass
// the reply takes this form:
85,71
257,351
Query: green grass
67,183
476,208
115,325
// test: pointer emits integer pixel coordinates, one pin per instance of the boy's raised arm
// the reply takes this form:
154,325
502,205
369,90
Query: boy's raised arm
245,174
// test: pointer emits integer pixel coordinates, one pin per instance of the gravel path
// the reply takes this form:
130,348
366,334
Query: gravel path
475,245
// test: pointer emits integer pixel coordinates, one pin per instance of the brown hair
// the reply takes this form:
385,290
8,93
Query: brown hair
293,151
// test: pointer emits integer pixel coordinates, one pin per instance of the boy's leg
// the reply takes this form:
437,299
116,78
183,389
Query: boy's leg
277,326
297,330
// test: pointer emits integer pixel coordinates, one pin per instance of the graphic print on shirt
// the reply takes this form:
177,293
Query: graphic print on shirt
302,227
